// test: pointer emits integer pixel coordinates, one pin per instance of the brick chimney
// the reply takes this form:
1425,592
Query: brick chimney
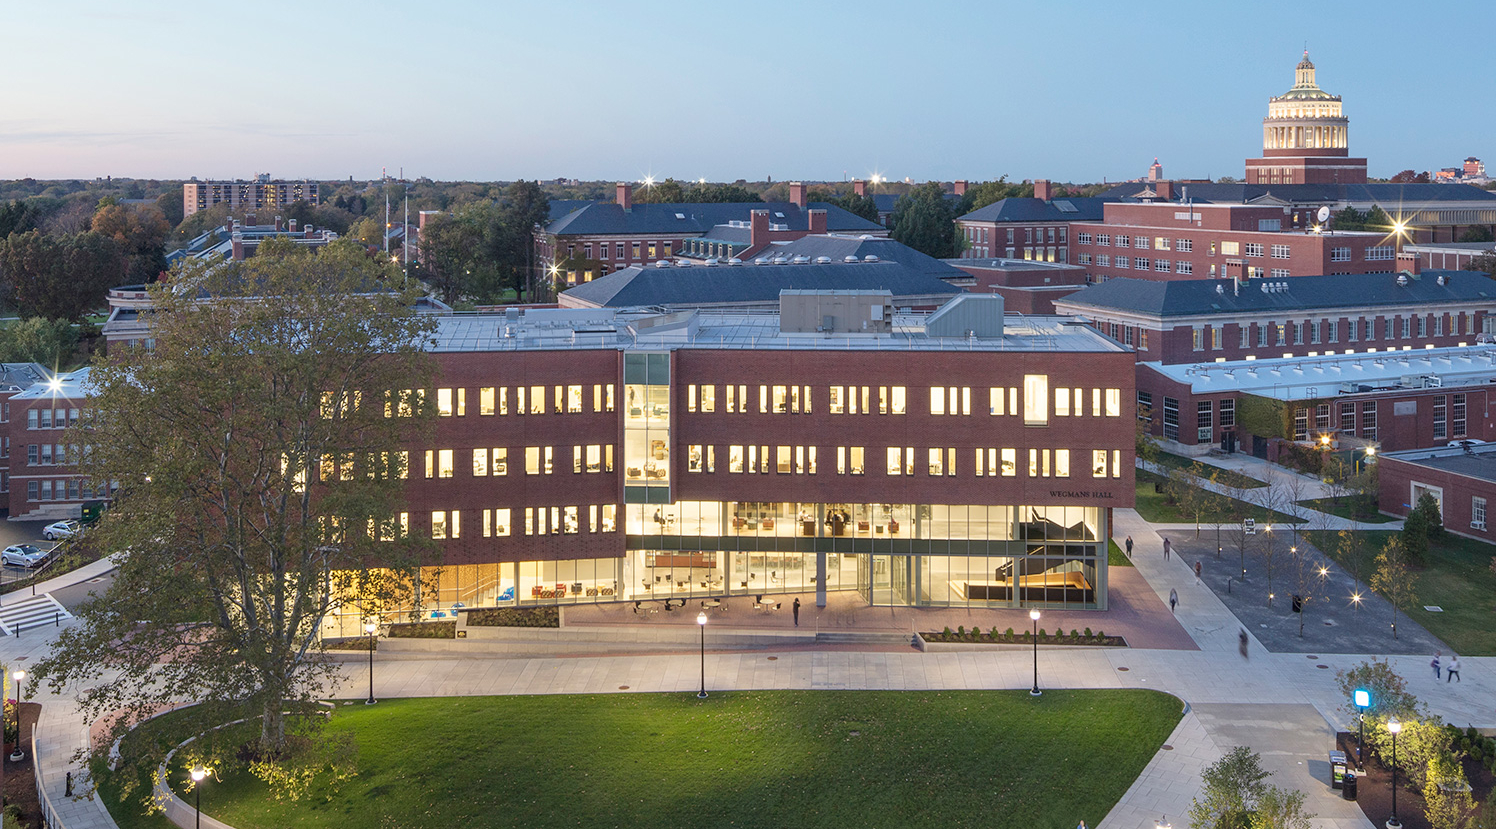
1165,190
859,187
816,221
758,228
310,232
292,226
238,246
1408,262
1042,190
797,194
625,195
251,220
960,187
425,216
279,226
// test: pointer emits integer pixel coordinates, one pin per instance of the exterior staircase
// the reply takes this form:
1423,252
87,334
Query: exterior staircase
30,612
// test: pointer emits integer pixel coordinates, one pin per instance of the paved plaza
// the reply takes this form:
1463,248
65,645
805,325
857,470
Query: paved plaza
1281,701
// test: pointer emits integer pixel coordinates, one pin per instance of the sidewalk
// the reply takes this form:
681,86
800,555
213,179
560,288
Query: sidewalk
1285,489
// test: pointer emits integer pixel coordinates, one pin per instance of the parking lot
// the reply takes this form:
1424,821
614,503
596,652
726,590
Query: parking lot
21,532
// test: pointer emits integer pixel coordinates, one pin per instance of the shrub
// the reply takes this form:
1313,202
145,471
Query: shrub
1088,633
1009,633
515,617
947,631
1074,634
423,630
1465,744
961,630
993,632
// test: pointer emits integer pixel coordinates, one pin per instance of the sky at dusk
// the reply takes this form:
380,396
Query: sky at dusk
497,90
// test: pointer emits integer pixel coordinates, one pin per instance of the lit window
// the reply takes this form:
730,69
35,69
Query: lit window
445,465
1035,399
895,462
486,400
480,463
1098,463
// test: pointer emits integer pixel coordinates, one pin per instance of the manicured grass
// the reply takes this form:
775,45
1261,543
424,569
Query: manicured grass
741,759
1155,509
1226,477
1457,578
1114,555
1343,510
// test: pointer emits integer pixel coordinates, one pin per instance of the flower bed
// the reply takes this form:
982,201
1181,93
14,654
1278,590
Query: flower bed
1008,637
515,617
423,630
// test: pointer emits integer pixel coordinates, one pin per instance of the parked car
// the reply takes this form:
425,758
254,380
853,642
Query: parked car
1466,442
22,555
61,529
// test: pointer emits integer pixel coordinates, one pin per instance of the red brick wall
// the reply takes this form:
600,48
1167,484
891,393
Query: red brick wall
1395,494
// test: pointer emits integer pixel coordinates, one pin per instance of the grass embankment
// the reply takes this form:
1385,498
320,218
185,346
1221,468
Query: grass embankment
1342,508
1226,477
746,759
1155,508
1457,577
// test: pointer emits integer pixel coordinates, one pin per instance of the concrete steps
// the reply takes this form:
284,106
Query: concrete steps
30,612
864,638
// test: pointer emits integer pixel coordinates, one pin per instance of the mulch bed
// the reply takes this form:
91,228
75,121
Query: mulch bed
1374,789
20,777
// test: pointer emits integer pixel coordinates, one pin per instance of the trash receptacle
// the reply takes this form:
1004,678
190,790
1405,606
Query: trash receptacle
1337,769
1348,787
1298,603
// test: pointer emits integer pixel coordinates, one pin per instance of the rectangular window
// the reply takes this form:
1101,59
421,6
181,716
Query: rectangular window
1184,266
1035,399
1369,420
480,463
1062,463
31,418
532,460
1228,413
1340,254
439,524
1281,252
1441,427
937,461
537,400
1457,415
1184,245
1253,248
1197,339
1171,418
444,463
895,460
1348,418
1010,463
937,400
486,405
1298,333
783,460
708,399
899,394
1422,326
763,399
1333,331
1322,417
1314,332
1062,403
1477,512
1098,463
735,459
1204,417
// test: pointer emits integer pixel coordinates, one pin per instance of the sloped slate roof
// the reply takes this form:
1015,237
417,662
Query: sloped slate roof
703,285
838,247
1409,195
607,218
1198,296
1039,210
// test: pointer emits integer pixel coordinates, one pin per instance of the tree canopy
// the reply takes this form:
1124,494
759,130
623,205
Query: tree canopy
483,249
62,277
926,221
260,474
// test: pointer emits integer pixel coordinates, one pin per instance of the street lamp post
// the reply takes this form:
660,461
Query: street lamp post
199,774
1362,698
371,628
1034,691
18,754
701,623
1394,726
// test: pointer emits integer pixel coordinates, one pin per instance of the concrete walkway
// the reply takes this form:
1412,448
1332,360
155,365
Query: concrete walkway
1285,488
1268,701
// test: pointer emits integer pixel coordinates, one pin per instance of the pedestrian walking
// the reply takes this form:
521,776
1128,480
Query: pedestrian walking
1435,665
1242,643
1168,545
1173,599
1453,671
796,609
1197,571
1082,825
1129,546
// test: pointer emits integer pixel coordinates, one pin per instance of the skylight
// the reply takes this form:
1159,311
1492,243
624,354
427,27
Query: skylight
680,215
1065,207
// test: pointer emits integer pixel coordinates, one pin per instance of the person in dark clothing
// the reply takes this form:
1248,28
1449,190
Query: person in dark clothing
1129,546
796,609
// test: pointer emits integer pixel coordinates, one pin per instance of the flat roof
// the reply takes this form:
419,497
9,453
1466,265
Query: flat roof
630,329
73,384
1011,264
1475,461
1329,375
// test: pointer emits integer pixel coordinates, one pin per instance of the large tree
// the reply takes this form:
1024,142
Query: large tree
64,277
141,234
260,475
925,220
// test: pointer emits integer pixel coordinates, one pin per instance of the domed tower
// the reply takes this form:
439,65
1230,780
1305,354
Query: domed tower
1305,137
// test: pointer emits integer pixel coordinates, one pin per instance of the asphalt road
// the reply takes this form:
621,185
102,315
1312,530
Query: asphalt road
21,532
75,594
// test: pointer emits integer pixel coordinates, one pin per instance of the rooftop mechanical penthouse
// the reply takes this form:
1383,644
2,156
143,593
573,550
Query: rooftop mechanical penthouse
600,455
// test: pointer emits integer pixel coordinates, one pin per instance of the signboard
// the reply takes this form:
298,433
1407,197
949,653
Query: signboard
1249,526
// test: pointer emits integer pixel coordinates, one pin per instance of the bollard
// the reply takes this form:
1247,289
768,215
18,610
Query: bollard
18,630
68,792
57,619
1228,584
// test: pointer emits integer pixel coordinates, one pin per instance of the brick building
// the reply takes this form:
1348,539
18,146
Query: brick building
1026,286
587,240
1462,480
1203,320
1450,255
601,455
1037,228
262,193
42,483
1392,400
1165,240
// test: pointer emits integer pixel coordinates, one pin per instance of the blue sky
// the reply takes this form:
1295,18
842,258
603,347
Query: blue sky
1075,90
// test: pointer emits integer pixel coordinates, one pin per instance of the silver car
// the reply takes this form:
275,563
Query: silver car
22,555
61,529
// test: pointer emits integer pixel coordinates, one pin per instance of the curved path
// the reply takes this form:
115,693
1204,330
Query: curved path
1282,705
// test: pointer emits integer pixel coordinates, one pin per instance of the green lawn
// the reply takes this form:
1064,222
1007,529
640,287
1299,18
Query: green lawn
1343,509
1114,555
744,759
1153,507
1226,477
1458,578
